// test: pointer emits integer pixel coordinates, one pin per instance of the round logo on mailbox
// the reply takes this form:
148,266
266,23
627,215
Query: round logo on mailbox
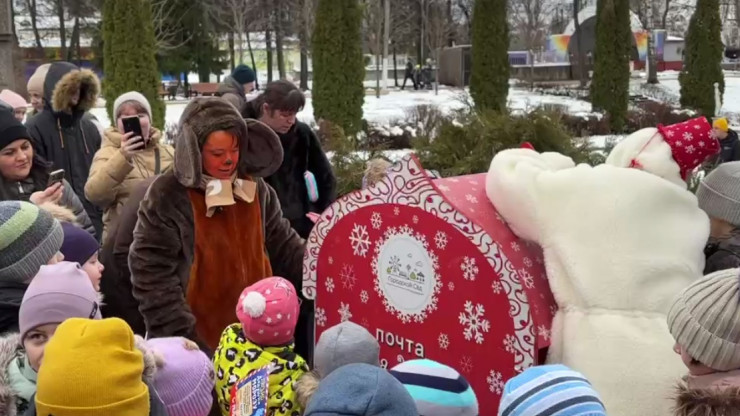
406,274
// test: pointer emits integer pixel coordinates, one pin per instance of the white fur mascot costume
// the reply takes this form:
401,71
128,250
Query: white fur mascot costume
620,240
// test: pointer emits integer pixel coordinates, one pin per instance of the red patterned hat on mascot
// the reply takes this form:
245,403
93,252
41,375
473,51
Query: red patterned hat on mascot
671,152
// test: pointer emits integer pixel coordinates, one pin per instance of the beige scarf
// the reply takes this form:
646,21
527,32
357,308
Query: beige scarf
221,192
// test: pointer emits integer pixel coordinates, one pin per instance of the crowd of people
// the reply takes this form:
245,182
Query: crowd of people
151,279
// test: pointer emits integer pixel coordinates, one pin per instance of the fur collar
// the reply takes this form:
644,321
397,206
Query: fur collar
64,81
305,387
707,402
9,347
60,213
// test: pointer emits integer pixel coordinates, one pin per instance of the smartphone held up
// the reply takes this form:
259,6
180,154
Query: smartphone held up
133,125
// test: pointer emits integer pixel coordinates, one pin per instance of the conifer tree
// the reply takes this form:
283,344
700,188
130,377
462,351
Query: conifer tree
338,64
489,80
129,54
702,63
610,85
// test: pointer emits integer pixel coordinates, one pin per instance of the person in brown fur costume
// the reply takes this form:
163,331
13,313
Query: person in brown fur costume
211,226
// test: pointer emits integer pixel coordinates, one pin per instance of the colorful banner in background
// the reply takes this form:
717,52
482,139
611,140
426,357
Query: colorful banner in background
558,44
641,41
659,38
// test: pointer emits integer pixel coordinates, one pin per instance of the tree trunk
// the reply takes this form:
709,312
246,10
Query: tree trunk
386,40
579,45
420,38
305,36
278,16
254,65
62,29
31,4
231,50
240,47
73,43
451,23
377,72
268,47
652,76
395,64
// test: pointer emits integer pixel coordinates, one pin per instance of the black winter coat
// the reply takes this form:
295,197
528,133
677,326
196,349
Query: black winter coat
62,135
723,254
302,152
730,148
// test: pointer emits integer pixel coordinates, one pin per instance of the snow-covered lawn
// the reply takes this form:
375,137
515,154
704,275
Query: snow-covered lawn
394,106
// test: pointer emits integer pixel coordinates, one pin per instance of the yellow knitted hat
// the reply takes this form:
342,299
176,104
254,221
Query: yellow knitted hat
92,368
721,123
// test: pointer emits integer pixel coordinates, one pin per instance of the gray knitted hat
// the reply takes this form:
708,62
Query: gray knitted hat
346,343
29,238
719,193
705,320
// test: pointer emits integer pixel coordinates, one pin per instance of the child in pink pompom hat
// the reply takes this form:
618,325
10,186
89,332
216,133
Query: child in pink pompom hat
267,313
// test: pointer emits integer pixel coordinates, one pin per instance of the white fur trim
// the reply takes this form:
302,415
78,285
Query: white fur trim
254,304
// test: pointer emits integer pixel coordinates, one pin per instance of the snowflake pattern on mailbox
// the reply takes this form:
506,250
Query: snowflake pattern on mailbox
431,270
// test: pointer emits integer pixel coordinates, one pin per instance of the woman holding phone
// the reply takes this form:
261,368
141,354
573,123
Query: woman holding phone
25,176
131,152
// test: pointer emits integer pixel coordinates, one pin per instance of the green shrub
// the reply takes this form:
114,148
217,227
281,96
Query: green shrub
467,146
702,64
338,64
129,57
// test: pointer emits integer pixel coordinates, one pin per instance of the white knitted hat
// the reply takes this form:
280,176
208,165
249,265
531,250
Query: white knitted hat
705,320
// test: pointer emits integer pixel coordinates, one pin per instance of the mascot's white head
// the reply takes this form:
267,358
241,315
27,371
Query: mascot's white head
670,152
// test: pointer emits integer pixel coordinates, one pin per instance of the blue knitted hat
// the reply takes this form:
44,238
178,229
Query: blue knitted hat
550,389
437,389
360,390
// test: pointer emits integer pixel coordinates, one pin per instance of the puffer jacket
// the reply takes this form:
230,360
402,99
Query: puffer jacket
112,178
236,357
711,395
63,135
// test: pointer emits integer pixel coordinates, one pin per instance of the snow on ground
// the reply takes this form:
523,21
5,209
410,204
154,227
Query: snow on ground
393,107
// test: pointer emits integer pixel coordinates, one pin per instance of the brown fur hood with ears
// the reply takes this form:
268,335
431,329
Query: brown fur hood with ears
63,81
707,402
260,151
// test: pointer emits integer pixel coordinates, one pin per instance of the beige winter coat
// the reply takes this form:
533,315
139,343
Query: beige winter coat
112,178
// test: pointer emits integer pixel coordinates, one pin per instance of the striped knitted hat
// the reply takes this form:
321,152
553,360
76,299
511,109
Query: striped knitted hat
705,319
550,389
29,238
437,389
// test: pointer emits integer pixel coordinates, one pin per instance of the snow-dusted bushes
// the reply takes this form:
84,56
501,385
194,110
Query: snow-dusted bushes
467,145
